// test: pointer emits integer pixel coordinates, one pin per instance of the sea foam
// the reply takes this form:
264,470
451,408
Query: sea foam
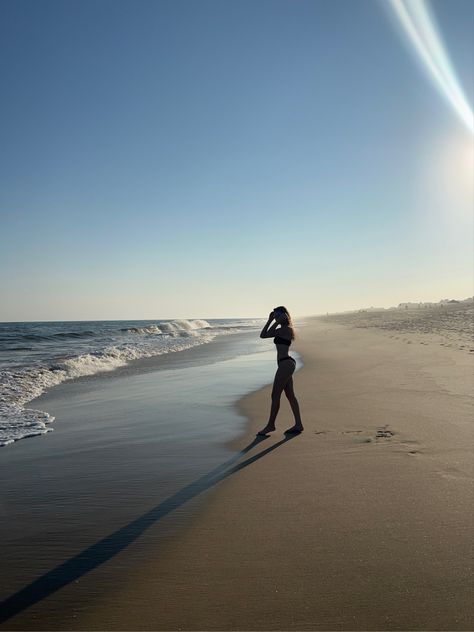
18,386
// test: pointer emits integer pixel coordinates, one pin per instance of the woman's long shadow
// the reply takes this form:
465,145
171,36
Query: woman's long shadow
109,546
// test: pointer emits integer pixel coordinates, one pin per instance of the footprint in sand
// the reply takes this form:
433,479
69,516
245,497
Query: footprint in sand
383,433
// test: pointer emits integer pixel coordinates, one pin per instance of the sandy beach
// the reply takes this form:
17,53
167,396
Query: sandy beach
362,522
208,205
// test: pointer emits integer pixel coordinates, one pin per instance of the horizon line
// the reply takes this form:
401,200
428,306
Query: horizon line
324,313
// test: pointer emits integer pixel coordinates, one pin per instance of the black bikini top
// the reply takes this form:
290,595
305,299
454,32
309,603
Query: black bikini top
278,340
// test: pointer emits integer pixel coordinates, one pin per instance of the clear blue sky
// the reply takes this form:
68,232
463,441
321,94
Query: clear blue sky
214,158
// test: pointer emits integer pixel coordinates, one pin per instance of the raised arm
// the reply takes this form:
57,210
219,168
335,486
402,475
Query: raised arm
269,332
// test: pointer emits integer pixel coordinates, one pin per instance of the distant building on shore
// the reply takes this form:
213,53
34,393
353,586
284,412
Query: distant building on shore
409,305
421,305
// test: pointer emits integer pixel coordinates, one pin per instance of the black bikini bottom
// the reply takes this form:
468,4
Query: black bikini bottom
287,358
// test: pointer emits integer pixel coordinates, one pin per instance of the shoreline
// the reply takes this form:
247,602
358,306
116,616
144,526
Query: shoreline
206,353
359,523
124,471
66,358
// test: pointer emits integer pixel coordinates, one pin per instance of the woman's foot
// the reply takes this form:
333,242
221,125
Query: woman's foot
294,430
266,430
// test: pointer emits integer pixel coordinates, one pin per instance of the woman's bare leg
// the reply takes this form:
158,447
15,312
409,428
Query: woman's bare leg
290,393
274,410
282,376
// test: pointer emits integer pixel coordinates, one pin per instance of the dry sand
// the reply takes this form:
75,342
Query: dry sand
446,324
363,522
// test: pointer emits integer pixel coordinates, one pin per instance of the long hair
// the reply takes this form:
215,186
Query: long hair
282,308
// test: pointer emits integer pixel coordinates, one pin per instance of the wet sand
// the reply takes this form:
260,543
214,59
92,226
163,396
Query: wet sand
126,466
362,522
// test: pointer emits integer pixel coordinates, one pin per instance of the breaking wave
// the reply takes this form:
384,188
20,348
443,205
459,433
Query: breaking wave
84,352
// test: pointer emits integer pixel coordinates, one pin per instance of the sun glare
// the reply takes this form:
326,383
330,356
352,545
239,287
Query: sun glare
447,183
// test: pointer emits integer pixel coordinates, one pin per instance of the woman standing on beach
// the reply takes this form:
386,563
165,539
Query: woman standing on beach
286,366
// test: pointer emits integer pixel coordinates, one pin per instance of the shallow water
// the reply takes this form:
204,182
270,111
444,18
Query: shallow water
37,356
133,455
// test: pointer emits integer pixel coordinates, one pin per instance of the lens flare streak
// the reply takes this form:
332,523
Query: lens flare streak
422,33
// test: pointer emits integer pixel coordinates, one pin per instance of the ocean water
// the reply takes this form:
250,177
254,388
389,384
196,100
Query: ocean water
134,454
36,356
